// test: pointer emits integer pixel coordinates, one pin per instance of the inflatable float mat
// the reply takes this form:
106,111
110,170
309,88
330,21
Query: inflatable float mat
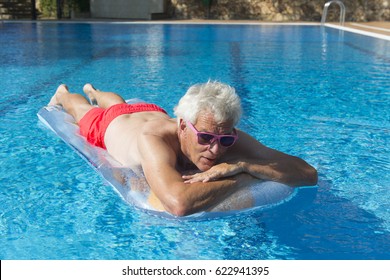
123,180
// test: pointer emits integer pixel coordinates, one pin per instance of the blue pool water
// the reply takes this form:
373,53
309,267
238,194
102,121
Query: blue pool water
320,94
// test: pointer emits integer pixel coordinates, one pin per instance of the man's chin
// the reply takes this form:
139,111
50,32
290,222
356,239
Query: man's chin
205,164
204,167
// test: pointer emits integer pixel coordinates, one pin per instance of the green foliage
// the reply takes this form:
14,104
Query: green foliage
48,8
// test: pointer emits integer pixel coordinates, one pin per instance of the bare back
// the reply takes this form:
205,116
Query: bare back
123,134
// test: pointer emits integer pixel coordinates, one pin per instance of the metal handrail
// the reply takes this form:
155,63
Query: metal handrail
325,12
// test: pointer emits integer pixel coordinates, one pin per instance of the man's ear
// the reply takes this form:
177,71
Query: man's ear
182,124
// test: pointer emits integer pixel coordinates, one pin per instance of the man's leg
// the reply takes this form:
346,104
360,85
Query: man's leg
75,104
102,98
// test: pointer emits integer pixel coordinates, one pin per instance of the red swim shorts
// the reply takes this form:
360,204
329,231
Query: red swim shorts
94,124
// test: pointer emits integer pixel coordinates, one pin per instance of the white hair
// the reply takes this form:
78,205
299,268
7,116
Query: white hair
214,97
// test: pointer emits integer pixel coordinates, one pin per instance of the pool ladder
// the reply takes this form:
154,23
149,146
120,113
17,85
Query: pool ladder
325,12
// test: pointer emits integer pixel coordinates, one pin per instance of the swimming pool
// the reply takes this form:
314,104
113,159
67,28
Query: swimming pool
320,94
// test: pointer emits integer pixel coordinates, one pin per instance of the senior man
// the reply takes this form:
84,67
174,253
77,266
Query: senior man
202,137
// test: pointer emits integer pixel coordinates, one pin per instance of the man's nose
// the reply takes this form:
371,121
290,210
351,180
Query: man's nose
215,147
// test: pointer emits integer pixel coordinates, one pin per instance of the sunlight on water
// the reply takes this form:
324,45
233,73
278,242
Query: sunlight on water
314,95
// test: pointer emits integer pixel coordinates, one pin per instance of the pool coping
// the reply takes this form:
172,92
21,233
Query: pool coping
363,31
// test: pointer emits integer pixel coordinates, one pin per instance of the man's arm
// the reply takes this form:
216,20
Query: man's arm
159,159
251,157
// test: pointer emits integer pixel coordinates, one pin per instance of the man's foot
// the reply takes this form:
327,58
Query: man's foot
90,91
60,90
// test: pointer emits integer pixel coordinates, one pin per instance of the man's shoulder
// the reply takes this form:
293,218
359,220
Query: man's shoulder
160,130
158,138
